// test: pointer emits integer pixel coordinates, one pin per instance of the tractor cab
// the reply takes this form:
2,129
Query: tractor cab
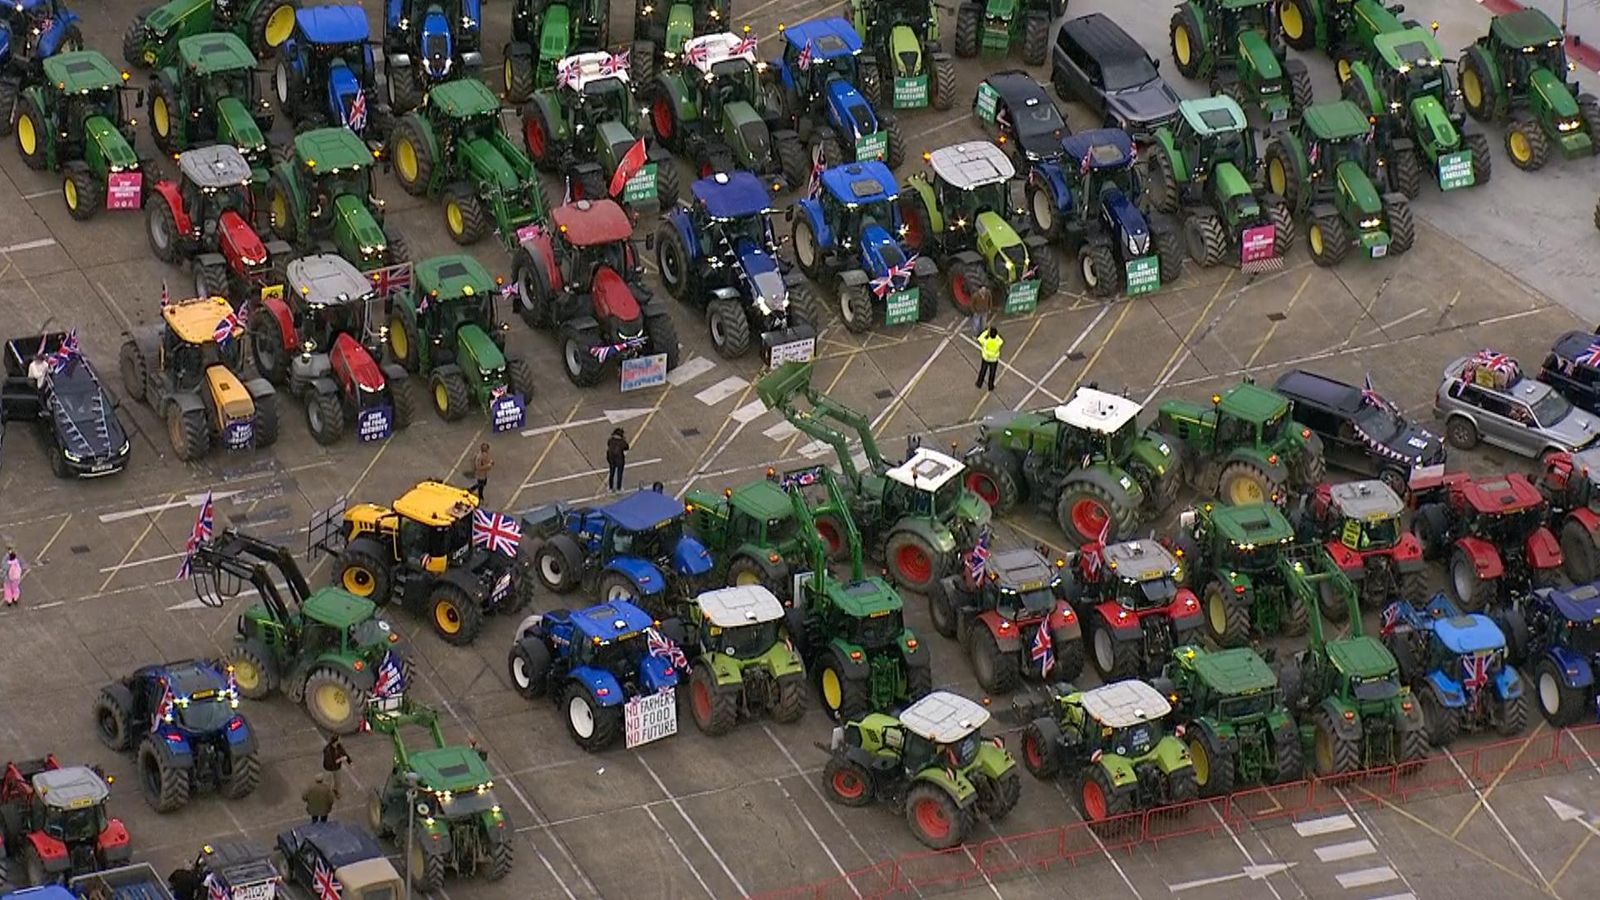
1245,538
468,110
1248,416
1101,427
860,202
457,292
1526,41
1215,131
1140,575
737,209
335,169
1465,647
1413,68
214,184
336,39
1124,719
596,236
1363,516
1571,620
71,805
871,614
611,637
649,525
432,524
728,65
598,91
928,484
1235,685
740,622
1105,161
815,55
942,729
1504,510
38,29
201,341
970,182
333,302
1337,133
1022,586
218,67
82,84
452,782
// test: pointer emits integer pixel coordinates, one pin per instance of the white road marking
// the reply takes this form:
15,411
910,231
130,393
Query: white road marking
814,449
749,411
1324,825
722,390
632,464
1252,872
690,369
956,120
48,605
684,813
1060,360
916,377
782,431
1348,850
143,562
37,194
28,245
192,500
188,604
1566,812
1366,877
1406,896
693,869
1499,823
611,417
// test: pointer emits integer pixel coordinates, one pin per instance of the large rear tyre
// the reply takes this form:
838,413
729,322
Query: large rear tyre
1035,38
166,786
410,155
912,562
1334,755
591,726
996,672
1088,512
935,818
113,717
1041,748
715,708
334,702
844,698
1560,704
1227,615
1243,483
969,21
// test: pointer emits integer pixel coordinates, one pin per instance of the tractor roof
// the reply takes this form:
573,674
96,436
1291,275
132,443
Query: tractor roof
327,279
943,717
829,38
733,607
436,503
1496,494
927,470
80,72
340,844
338,608
332,150
214,167
705,51
332,24
450,768
1140,560
610,621
1124,704
1363,656
643,510
187,677
1408,49
1213,115
241,864
43,892
1252,525
1251,403
971,164
583,69
762,499
732,195
195,321
869,598
861,183
1023,570
1093,410
591,223
1577,604
1337,121
218,51
1369,501
449,277
1475,633
1104,148
463,98
1233,672
1528,27
71,787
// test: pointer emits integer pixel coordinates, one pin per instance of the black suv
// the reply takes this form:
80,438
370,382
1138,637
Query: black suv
76,416
1093,61
1360,430
1572,367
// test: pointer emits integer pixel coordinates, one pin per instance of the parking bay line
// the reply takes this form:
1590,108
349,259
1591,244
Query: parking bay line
557,479
1174,363
1366,877
133,549
1425,825
660,785
1062,359
1483,801
1273,328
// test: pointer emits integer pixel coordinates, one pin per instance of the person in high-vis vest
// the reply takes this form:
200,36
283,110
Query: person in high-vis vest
989,344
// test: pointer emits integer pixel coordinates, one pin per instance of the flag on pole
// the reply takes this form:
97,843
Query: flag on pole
1091,555
745,45
166,295
815,184
663,648
357,120
163,711
1043,651
227,328
697,53
203,526
1389,620
627,167
804,59
215,889
64,354
499,533
390,679
978,558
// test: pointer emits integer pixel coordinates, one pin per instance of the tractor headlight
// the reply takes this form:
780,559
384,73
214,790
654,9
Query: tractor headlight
714,13
126,446
647,9
468,23
1370,222
367,250
1569,125
1138,244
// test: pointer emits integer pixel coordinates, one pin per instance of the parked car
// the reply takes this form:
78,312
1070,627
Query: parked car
1093,61
76,415
1572,367
1485,398
1360,430
1020,116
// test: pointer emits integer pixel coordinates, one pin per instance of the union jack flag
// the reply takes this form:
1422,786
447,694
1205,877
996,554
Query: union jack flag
1389,620
357,120
166,295
804,59
815,184
1083,165
895,277
497,393
662,648
746,45
1491,361
1091,555
1476,668
390,679
1043,650
603,352
203,526
215,889
322,881
233,683
1370,396
65,354
163,711
500,533
226,328
567,72
615,63
1590,356
978,558
698,54
391,280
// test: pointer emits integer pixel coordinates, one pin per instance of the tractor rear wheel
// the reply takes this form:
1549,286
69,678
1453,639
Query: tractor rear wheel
1442,723
1041,747
1296,615
1169,247
252,670
272,24
1301,92
912,562
1472,592
529,664
517,76
825,142
33,133
848,782
793,163
325,417
844,698
1288,756
8,104
615,586
1560,704
81,191
791,699
969,21
935,818
944,82
1097,265
451,398
942,608
266,343
166,115
1297,24
592,726
1589,111
559,564
1088,512
1579,552
189,433
895,152
161,231
457,617
1479,92
715,708
1281,215
832,532
1115,660
1243,483
1482,162
405,94
1405,173
1335,755
464,216
1183,34
243,777
135,374
997,672
334,702
1527,145
501,859
410,154
1333,606
807,255
1035,38
672,260
404,400
113,717
166,786
992,475
1206,239
1402,227
729,327
1283,177
1162,184
1069,655
1000,796
211,279
428,866
1227,615
871,85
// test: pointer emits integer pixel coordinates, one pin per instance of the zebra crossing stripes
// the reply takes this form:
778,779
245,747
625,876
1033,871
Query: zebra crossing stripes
1366,877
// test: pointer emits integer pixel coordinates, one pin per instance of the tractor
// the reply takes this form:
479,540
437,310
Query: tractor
1003,610
323,194
205,216
1341,28
918,512
819,82
457,824
322,340
1358,524
751,533
1492,534
904,56
1556,631
660,31
1517,73
31,31
1326,169
719,252
1238,729
1084,460
581,277
448,330
848,235
326,651
53,822
544,32
609,668
1347,693
426,549
995,26
75,122
743,661
151,39
932,761
1455,664
717,111
429,42
1111,741
1232,46
209,94
453,146
1136,607
1253,577
1204,166
1245,448
586,127
957,212
633,549
183,719
327,74
1568,484
186,366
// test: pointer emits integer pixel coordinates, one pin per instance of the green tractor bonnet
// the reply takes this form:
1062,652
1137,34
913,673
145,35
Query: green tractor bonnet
324,189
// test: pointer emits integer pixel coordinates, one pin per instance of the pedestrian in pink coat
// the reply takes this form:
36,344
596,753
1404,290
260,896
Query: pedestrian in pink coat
11,574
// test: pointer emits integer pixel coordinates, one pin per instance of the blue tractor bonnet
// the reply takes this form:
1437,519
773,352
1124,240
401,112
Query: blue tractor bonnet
611,621
732,195
880,250
848,111
1469,634
1577,604
643,510
437,44
860,183
829,38
1105,148
332,24
47,892
343,86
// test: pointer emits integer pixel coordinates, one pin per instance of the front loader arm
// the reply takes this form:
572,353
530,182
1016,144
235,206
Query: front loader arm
790,381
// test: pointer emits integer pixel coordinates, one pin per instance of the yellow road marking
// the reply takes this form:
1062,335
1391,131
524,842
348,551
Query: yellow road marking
549,445
52,542
788,448
1582,845
1483,798
1104,342
984,396
1273,329
1461,845
1178,350
131,550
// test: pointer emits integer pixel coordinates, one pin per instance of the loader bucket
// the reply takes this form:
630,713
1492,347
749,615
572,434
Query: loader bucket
787,380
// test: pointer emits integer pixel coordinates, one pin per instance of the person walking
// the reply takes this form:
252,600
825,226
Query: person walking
989,344
481,466
319,799
334,758
982,308
616,458
11,574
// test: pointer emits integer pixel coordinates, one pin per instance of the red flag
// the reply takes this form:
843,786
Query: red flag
631,163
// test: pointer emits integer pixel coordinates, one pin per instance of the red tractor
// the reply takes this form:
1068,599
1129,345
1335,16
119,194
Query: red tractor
583,278
1134,606
1005,614
53,822
1358,523
1569,483
1491,532
204,217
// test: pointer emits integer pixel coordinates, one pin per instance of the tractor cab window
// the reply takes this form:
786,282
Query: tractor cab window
1036,600
317,637
1243,706
960,754
1135,740
606,100
745,641
75,826
1272,428
1582,637
1380,533
876,631
1373,689
615,657
1233,431
418,540
1151,593
185,362
1225,146
984,198
460,311
587,259
822,70
917,752
732,80
235,83
744,231
356,182
654,543
203,711
782,530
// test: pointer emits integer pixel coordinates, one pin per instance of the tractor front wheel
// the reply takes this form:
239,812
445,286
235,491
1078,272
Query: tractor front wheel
252,670
1162,182
161,231
9,89
1405,173
1288,756
517,76
457,616
942,608
1333,606
364,572
849,783
1227,615
944,82
935,818
844,698
1041,747
266,341
672,260
592,726
1402,227
807,255
82,191
729,327
189,433
1115,660
501,859
792,162
166,786
325,417
913,563
969,22
1097,264
1482,162
855,308
427,867
1560,704
334,702
464,215
791,703
413,160
529,663
1527,145
135,374
1212,763
450,395
715,708
1206,239
997,797
1472,591
113,717
405,94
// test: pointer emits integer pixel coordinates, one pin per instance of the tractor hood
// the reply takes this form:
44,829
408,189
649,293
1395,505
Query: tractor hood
343,86
1257,54
553,34
56,28
1000,244
612,297
236,126
1432,124
1001,9
763,280
239,241
229,395
1554,92
113,147
906,48
690,557
354,228
438,46
747,131
615,141
879,250
1357,189
848,110
680,27
348,354
489,166
473,343
1233,191
1126,221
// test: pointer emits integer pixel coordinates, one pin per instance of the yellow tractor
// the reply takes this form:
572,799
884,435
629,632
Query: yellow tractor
185,366
421,550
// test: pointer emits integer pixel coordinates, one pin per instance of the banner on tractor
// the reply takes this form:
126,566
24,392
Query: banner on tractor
650,718
1023,296
644,372
271,292
1258,244
1455,170
872,146
374,424
124,190
911,93
641,187
903,307
1142,275
984,107
239,435
801,351
507,412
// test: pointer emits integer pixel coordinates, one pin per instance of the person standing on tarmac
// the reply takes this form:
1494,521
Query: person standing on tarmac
989,344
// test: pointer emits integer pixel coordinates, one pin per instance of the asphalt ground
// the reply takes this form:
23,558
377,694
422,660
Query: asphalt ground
1507,264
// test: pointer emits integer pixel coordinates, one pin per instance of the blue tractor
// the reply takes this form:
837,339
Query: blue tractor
633,549
31,31
1457,665
719,252
819,79
1556,631
426,42
847,234
598,662
182,719
326,74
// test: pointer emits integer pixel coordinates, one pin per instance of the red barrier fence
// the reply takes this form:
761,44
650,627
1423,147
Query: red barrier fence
1477,768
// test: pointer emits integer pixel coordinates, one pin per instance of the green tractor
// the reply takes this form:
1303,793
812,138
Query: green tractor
1245,448
1237,726
448,331
1518,73
1327,168
959,213
919,511
544,32
1343,29
322,195
661,29
1348,692
752,534
902,46
1203,167
454,146
457,824
209,94
73,122
995,26
932,761
1232,45
1086,460
152,39
743,661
